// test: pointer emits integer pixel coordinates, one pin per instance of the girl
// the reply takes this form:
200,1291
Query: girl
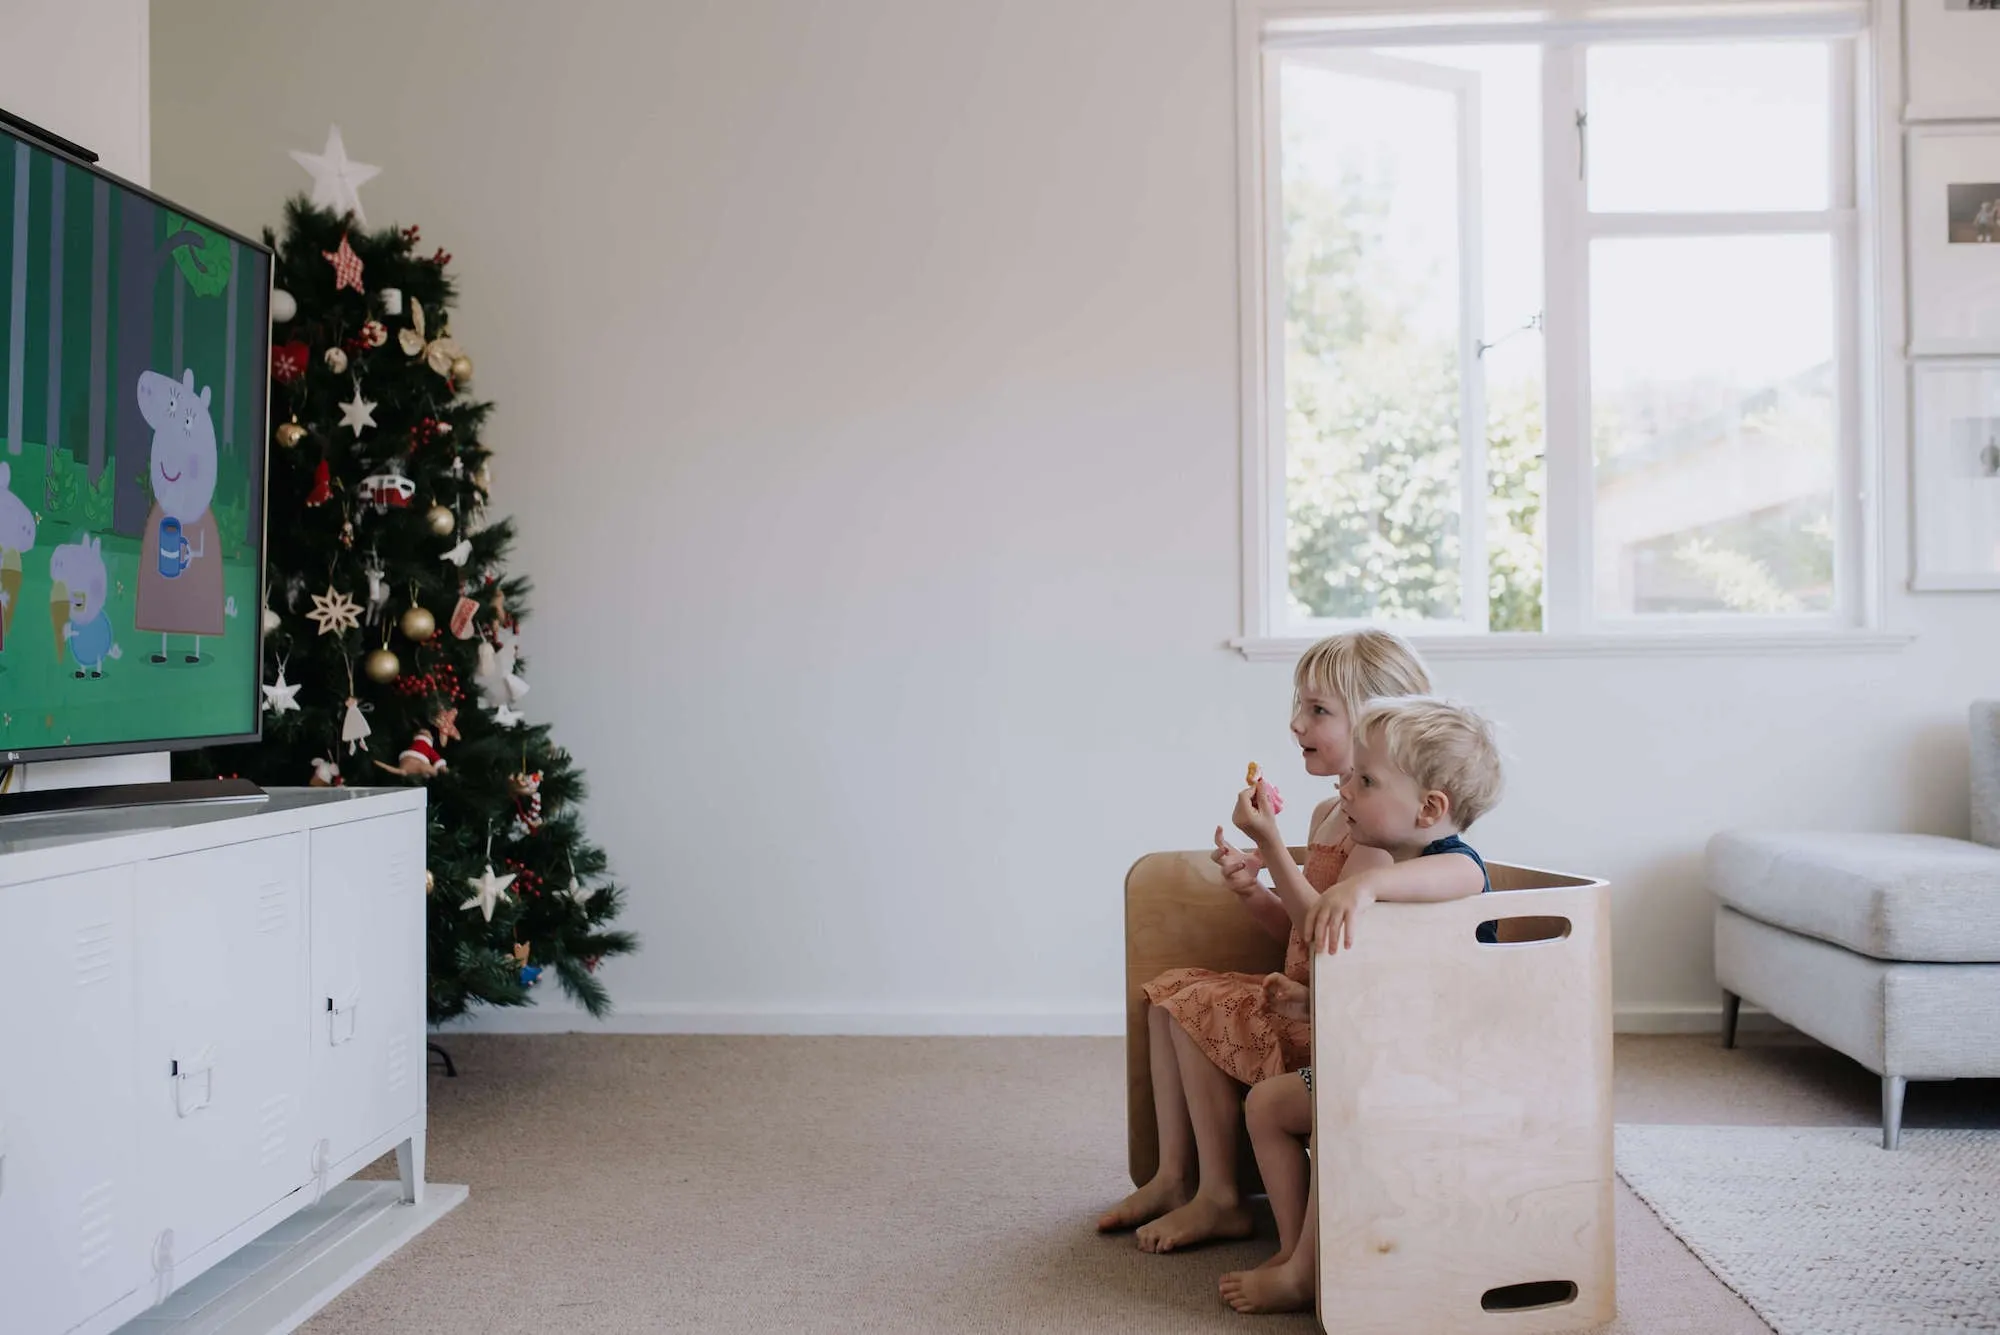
1213,1033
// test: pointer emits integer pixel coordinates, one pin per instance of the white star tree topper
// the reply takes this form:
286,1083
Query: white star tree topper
487,890
336,178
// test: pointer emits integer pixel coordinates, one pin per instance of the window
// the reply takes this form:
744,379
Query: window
1554,329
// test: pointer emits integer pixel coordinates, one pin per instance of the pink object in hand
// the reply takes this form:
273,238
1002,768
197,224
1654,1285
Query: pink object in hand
1255,778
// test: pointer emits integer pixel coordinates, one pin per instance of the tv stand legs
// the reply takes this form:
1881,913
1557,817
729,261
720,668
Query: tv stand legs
410,1165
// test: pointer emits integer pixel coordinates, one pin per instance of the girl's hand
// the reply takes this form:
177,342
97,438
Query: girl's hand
1286,997
1239,869
1330,921
1253,815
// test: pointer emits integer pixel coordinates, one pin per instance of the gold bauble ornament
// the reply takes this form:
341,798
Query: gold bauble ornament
430,880
270,621
336,360
419,624
382,667
482,477
461,369
290,434
441,520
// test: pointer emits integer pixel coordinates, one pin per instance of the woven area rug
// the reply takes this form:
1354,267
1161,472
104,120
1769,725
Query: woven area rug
1824,1232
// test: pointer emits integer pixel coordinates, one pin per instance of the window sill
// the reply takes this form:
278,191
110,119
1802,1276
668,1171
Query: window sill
1720,644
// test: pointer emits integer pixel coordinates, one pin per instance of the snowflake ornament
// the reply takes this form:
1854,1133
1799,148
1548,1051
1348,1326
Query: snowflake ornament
334,612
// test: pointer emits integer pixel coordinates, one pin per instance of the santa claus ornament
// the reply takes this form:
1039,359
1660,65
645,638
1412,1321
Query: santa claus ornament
419,760
527,791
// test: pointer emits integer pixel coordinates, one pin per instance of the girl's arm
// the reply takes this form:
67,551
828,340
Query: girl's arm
1294,894
1269,911
1239,874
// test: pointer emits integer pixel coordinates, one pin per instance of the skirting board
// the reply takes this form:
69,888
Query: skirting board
275,1283
657,1018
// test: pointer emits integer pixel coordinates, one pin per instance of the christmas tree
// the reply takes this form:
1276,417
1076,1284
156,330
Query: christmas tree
391,651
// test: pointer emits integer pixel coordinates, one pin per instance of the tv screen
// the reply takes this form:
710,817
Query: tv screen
134,361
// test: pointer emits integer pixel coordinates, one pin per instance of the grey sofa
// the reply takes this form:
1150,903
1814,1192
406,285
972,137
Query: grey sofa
1883,946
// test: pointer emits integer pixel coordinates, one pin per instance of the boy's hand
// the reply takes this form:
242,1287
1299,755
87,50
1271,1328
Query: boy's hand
1286,997
1239,869
1330,921
1253,815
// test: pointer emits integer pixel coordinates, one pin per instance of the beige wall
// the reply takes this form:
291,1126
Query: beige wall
79,68
867,396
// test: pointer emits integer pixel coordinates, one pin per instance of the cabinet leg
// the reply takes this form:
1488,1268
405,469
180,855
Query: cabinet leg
449,1069
1731,1004
410,1165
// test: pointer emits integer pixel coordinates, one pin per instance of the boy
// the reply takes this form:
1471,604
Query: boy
1424,771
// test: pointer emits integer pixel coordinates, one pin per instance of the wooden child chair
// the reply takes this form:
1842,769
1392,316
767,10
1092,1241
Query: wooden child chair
1462,1094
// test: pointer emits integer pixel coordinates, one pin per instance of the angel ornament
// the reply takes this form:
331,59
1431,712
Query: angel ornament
353,728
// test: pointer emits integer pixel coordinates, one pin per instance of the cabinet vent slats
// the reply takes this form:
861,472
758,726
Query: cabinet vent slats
96,952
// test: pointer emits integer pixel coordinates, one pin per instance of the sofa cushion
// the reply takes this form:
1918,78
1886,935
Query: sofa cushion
1889,896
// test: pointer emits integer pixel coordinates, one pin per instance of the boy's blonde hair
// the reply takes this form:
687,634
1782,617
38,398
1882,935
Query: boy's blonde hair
1444,746
1359,666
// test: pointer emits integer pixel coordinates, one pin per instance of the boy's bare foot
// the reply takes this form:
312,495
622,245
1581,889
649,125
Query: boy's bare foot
1268,1288
1200,1220
1277,1259
1144,1205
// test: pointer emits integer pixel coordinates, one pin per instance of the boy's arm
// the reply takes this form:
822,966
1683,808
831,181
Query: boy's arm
1428,880
1434,879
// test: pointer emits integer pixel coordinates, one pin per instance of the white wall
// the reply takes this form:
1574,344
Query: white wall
867,393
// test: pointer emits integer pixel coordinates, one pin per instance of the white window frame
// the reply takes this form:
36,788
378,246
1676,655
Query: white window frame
1571,625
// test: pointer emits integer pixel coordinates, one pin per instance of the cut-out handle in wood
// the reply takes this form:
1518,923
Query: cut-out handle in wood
1527,1297
1524,930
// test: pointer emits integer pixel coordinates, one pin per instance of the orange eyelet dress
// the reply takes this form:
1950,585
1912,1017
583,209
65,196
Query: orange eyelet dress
1225,1013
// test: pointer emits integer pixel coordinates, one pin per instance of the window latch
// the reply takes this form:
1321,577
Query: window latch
1582,142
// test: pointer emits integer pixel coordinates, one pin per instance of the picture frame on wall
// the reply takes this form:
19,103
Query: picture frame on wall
1953,235
1955,475
1950,50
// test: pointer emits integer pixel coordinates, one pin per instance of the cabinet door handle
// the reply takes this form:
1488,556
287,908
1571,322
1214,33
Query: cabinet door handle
343,1018
184,1074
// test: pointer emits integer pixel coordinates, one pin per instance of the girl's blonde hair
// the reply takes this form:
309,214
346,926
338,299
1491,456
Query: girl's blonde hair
1359,666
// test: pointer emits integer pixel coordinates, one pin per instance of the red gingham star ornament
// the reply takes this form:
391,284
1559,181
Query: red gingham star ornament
346,265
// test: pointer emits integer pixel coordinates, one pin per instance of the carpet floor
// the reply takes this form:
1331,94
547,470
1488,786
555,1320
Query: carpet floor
642,1184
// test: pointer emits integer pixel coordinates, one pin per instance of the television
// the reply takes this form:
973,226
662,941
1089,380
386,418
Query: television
135,341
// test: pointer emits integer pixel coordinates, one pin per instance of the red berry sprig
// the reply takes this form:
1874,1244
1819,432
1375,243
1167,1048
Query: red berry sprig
526,883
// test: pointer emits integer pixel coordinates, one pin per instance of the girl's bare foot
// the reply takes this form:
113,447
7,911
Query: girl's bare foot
1200,1220
1276,1260
1268,1288
1147,1203
1286,997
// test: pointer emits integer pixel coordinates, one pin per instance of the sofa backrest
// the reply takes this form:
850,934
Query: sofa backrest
1985,738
